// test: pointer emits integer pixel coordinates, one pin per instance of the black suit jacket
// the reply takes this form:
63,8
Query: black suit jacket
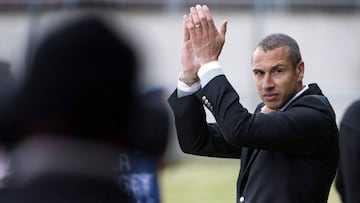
286,156
348,179
66,188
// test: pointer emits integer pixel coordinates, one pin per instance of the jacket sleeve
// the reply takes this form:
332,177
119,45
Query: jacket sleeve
306,126
195,135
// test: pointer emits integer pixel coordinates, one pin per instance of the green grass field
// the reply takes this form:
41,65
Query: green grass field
204,180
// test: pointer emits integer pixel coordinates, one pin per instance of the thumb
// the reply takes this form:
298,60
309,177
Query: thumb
223,28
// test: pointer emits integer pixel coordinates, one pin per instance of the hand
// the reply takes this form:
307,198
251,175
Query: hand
189,61
206,40
266,110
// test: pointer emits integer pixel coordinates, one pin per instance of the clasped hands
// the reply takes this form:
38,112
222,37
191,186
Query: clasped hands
202,42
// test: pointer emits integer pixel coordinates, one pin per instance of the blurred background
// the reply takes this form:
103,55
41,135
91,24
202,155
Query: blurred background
327,31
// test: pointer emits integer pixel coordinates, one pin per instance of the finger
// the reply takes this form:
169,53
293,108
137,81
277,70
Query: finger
223,28
186,31
191,30
194,17
201,16
209,19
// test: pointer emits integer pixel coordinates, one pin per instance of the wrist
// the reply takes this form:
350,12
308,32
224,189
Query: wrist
188,79
206,61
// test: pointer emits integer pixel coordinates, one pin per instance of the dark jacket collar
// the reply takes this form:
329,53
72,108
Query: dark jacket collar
313,89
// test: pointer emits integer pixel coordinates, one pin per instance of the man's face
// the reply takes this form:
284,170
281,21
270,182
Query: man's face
276,79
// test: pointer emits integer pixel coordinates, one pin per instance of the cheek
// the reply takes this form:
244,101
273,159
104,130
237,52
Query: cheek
287,90
283,87
258,85
286,83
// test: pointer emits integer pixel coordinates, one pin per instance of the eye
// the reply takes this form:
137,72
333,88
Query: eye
258,73
278,71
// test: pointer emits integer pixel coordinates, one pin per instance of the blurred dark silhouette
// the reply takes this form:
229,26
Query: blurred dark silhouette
348,176
138,169
77,114
7,85
6,75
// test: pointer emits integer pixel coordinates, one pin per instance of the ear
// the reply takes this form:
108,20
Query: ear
300,70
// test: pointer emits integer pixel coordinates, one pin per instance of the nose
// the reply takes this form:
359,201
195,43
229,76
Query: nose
267,82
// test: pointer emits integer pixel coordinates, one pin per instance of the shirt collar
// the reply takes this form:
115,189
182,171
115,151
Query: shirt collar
293,98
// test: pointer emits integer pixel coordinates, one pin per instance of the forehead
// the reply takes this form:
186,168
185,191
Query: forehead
270,57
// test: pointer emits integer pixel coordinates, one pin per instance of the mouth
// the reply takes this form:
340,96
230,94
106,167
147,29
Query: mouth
270,97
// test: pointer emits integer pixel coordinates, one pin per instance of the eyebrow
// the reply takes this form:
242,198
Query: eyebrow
272,68
278,65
